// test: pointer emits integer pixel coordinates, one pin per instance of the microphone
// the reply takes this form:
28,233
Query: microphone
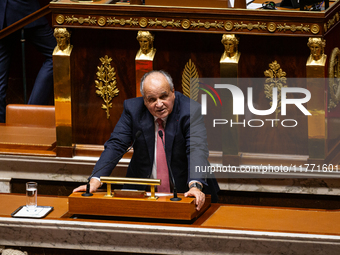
87,193
175,198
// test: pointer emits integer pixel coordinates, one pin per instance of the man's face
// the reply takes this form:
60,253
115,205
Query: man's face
229,47
62,41
315,51
144,45
158,97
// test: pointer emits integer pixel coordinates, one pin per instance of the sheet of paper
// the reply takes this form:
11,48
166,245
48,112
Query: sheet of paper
254,6
159,194
232,3
40,212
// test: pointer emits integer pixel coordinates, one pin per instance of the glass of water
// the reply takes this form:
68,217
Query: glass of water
31,196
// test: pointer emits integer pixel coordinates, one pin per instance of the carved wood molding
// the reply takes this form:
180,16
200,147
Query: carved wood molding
209,20
188,24
332,21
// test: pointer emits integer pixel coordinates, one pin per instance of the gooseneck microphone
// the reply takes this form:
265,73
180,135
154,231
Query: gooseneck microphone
88,193
175,198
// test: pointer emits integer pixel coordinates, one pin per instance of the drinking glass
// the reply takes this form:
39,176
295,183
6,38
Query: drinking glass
31,196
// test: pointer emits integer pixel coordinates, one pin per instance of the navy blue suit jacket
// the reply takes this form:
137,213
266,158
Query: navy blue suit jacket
40,34
185,142
13,10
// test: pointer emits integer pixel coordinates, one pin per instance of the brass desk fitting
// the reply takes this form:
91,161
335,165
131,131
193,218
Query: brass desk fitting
138,181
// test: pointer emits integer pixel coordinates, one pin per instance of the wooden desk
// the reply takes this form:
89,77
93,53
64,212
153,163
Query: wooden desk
21,140
324,222
11,202
142,207
222,229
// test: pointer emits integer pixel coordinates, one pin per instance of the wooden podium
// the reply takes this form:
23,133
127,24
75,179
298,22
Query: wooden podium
162,208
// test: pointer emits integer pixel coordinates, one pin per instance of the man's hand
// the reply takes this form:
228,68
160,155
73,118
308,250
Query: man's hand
199,197
94,185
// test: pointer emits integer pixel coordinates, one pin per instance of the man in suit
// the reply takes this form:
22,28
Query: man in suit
185,138
41,35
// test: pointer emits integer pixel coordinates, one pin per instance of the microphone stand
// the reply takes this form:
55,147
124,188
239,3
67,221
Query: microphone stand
87,193
174,198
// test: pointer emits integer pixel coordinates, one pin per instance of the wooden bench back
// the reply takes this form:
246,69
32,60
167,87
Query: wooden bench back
30,115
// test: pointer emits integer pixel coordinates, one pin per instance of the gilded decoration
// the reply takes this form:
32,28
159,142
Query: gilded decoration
101,21
195,24
271,27
122,22
331,22
146,50
334,79
276,78
230,54
229,25
293,28
164,23
207,25
315,29
143,22
190,80
60,19
317,49
89,20
62,36
186,24
106,84
250,26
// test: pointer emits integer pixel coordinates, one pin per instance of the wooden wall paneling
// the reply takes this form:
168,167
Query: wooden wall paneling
173,52
283,37
91,125
257,52
333,116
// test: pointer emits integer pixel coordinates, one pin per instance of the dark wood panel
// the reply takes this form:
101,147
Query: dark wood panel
259,51
269,139
173,52
256,55
175,49
90,124
333,116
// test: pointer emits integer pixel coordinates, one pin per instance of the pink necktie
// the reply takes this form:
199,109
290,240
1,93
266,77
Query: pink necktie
162,167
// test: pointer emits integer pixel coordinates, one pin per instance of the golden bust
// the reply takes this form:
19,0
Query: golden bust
316,46
230,43
146,51
62,36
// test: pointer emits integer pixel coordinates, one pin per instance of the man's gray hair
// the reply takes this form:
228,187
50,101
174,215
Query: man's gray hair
166,75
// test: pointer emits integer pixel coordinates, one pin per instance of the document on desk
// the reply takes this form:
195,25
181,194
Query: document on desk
40,212
148,194
253,6
250,4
